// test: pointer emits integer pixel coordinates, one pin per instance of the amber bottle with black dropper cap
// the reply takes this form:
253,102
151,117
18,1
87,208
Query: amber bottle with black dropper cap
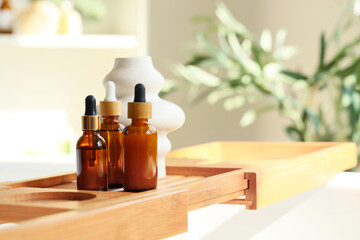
91,159
111,131
140,146
7,17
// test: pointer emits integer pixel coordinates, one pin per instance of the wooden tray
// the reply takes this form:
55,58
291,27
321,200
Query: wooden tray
253,174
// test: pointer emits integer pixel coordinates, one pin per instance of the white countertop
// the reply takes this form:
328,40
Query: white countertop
21,171
328,212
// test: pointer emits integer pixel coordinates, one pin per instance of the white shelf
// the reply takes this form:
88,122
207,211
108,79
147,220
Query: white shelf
99,41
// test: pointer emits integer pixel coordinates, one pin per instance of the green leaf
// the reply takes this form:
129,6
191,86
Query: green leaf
169,87
285,53
248,118
222,34
294,133
265,109
250,66
226,18
272,70
314,118
322,50
183,71
321,116
266,41
346,100
334,61
219,94
356,102
349,81
257,52
280,38
197,59
245,79
198,76
299,85
295,75
354,66
247,46
234,103
202,19
294,115
338,57
204,44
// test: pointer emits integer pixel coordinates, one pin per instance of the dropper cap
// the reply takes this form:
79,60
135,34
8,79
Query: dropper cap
139,109
90,121
110,106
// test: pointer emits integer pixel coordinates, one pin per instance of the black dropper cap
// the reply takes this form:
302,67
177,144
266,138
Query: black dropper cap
139,93
139,109
90,106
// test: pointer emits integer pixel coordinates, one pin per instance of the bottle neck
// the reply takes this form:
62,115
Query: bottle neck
110,119
111,123
90,132
141,121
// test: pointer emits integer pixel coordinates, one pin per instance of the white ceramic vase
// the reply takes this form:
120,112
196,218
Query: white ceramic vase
167,117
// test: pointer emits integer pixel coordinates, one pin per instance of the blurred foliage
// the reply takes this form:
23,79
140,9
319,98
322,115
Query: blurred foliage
170,85
233,66
89,9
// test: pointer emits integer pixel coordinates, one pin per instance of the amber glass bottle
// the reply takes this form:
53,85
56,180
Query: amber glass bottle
111,131
140,146
6,17
91,158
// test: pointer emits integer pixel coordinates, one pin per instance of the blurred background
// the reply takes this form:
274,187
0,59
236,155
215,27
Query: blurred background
55,53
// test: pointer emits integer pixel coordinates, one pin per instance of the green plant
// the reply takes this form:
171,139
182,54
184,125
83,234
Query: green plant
232,65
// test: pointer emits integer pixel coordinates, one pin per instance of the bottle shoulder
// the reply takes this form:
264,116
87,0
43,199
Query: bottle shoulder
112,127
144,128
93,141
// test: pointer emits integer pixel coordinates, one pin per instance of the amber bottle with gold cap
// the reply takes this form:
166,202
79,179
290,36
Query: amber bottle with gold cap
140,146
111,131
91,159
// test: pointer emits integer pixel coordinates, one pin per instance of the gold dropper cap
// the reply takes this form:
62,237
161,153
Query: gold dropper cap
139,109
90,122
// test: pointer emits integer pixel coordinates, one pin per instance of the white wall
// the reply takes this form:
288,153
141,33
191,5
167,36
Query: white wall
171,30
52,78
58,79
61,78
